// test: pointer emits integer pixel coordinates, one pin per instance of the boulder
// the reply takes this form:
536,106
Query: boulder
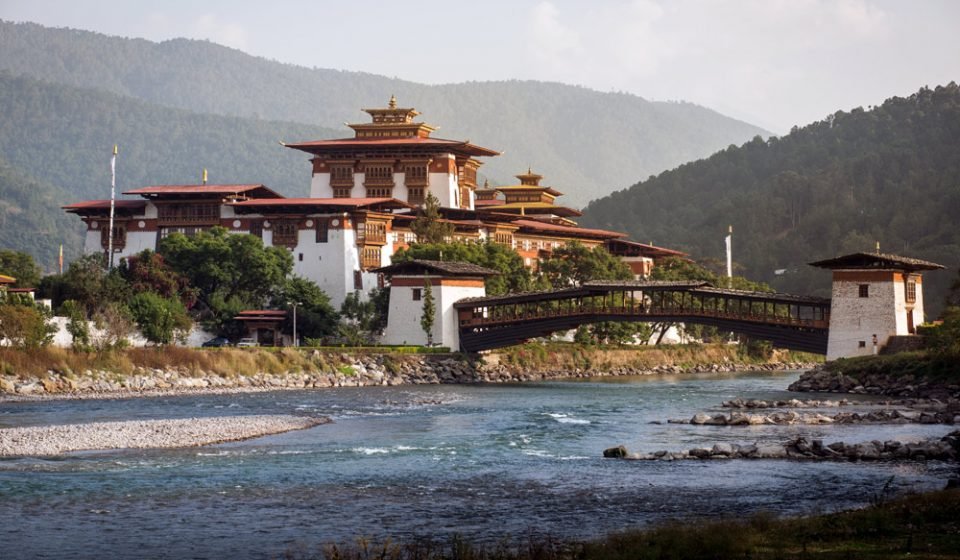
722,449
700,453
771,452
618,452
700,418
7,386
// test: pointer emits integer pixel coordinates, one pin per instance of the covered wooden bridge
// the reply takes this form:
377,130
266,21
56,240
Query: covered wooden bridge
788,321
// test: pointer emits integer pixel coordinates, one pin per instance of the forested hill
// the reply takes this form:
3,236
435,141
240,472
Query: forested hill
64,135
31,219
585,142
890,174
56,142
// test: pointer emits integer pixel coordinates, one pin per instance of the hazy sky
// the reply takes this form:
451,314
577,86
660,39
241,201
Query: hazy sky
775,63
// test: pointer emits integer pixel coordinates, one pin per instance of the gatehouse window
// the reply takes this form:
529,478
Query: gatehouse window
911,291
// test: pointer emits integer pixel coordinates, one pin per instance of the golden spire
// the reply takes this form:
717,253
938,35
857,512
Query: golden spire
393,102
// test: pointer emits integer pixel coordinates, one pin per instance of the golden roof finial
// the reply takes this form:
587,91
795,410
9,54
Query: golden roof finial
486,183
393,102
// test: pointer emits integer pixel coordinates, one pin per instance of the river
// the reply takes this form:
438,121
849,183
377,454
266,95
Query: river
486,462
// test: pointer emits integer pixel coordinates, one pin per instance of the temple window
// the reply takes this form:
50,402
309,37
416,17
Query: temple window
119,237
415,175
370,257
188,213
285,233
911,291
341,176
323,230
416,195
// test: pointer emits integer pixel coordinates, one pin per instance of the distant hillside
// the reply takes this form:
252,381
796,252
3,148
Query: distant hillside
587,143
31,219
64,136
891,175
55,145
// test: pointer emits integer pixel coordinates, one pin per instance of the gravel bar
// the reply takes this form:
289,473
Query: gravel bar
144,434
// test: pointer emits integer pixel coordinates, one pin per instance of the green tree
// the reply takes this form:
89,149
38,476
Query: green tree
230,272
148,272
77,325
429,225
161,320
363,320
573,264
88,283
21,266
429,310
25,325
316,318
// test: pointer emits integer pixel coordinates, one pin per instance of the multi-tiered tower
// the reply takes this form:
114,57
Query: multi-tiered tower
393,156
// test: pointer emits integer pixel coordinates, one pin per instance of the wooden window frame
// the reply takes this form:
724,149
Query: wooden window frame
864,290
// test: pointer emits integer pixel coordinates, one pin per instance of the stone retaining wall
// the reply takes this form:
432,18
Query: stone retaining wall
354,371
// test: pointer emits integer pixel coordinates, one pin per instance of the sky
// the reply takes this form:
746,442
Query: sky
773,63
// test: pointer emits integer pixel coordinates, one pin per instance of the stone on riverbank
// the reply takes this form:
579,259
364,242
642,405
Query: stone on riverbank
142,434
946,448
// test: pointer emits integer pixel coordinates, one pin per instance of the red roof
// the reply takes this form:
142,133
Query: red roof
567,230
318,146
648,250
204,190
339,202
261,315
96,204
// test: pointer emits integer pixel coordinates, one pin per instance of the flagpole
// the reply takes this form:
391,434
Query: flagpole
113,197
729,241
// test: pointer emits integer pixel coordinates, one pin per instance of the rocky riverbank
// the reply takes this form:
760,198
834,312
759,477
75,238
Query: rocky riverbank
790,418
946,448
831,378
343,370
35,441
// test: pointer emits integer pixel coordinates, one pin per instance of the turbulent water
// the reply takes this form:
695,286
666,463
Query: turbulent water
486,462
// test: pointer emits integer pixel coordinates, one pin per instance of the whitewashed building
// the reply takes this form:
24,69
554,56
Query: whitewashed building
875,296
449,282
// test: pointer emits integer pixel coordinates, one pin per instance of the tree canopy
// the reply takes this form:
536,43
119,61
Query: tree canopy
21,266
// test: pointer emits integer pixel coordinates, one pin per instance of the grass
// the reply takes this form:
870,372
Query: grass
923,526
920,364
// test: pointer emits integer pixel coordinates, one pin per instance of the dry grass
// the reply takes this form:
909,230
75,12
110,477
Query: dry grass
226,362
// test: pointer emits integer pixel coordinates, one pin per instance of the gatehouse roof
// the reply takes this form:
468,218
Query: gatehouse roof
443,268
876,261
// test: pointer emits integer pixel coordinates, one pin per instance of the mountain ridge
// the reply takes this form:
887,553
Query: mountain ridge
889,175
585,142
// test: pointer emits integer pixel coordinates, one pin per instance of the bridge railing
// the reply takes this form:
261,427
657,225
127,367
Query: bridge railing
517,313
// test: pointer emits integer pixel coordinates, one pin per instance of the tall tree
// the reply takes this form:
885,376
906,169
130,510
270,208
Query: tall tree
429,225
429,310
